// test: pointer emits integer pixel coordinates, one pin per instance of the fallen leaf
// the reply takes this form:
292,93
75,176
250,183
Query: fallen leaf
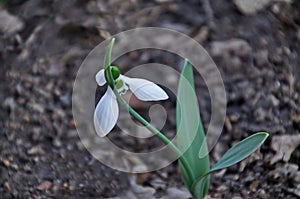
252,158
284,145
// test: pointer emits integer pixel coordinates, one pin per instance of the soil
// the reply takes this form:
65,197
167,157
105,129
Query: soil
257,55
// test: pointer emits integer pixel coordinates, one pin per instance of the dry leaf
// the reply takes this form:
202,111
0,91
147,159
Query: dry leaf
252,158
284,145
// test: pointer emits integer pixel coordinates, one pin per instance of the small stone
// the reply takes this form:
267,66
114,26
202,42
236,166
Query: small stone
262,57
20,89
222,188
6,163
46,185
237,197
81,185
163,1
262,194
260,114
236,46
35,150
274,100
248,7
234,117
9,104
65,185
202,34
298,35
37,107
53,70
7,186
141,178
57,142
73,125
228,124
10,24
174,193
65,99
158,184
254,185
236,177
14,166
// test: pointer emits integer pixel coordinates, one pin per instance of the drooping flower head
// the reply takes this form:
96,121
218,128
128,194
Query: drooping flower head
107,110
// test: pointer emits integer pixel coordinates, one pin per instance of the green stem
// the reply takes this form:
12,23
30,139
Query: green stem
157,133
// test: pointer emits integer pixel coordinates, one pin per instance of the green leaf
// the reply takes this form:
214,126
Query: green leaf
240,151
235,154
200,186
190,133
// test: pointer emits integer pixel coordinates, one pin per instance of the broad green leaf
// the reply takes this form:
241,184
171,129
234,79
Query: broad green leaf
190,133
235,154
240,151
200,186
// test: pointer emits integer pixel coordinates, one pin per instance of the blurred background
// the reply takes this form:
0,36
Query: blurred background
255,45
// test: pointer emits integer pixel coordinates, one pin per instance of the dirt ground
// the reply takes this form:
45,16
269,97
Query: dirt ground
43,43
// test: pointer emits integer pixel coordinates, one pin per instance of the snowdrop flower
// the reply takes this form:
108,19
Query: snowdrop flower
107,110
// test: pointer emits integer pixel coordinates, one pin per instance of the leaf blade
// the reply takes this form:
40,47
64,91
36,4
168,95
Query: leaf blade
190,133
240,151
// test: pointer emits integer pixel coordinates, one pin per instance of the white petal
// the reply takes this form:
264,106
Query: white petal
100,78
144,89
106,113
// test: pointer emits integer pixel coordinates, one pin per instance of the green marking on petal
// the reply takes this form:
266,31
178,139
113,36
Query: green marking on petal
119,84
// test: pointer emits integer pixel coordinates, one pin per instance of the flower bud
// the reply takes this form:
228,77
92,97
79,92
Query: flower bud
115,72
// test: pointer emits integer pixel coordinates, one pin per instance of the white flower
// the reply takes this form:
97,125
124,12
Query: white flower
107,110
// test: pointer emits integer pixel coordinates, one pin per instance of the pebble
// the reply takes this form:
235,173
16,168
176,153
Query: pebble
65,99
35,150
6,163
7,186
239,47
222,188
237,197
57,142
262,57
262,194
10,24
248,7
174,193
254,185
260,114
158,184
37,107
9,104
298,35
45,185
275,102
